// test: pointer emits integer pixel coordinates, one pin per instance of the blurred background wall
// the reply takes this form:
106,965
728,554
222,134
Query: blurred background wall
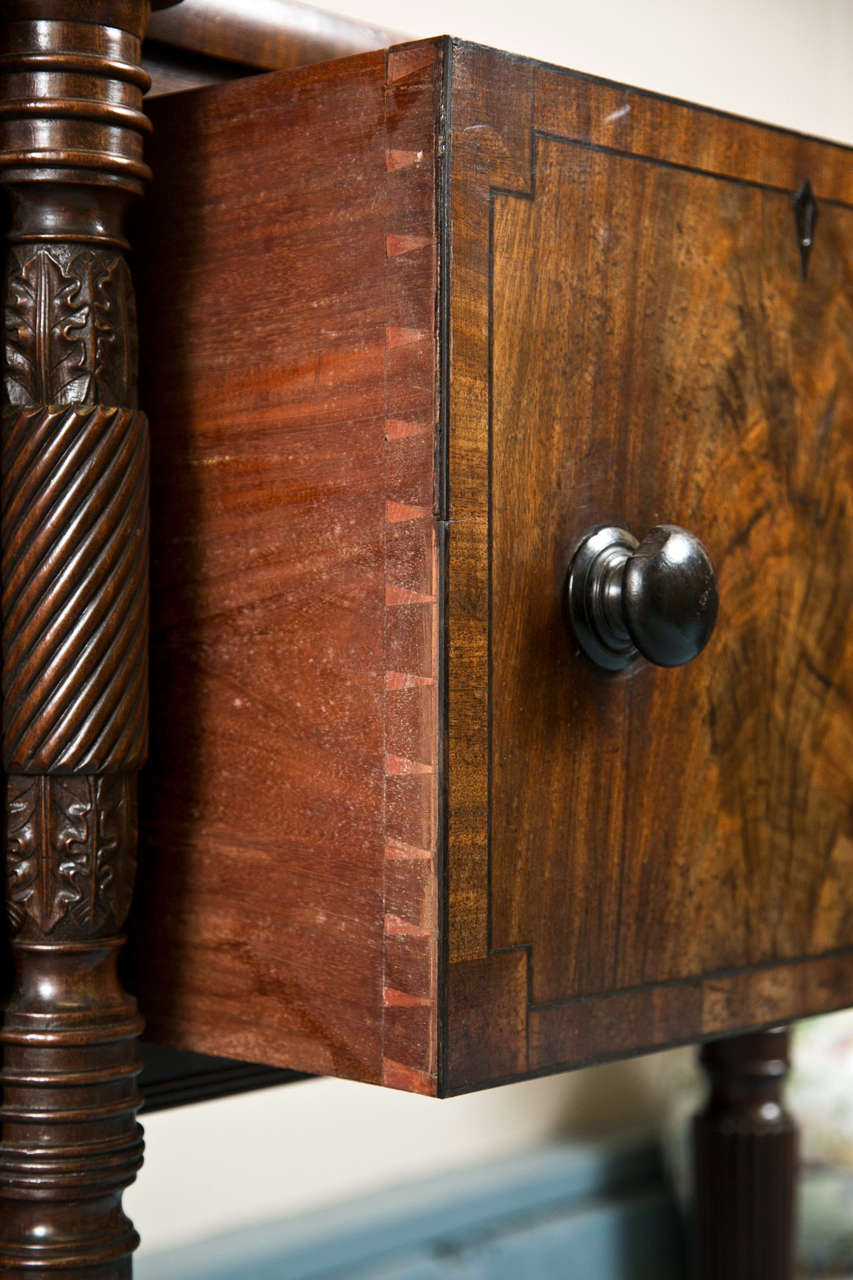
213,1166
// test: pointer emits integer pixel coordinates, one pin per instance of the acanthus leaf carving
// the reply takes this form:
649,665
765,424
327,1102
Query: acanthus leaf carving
69,856
114,319
23,862
69,326
46,320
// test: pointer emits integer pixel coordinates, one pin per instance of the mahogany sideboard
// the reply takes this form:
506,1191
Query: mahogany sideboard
414,323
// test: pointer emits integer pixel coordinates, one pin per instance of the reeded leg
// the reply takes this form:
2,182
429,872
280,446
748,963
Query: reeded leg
74,546
745,1147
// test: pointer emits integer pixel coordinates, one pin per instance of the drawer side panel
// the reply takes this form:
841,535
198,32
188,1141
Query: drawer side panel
289,354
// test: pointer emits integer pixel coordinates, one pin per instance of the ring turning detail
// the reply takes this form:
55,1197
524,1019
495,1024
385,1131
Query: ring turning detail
655,599
73,632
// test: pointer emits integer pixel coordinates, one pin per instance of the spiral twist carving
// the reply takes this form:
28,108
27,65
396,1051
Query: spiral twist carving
74,601
73,620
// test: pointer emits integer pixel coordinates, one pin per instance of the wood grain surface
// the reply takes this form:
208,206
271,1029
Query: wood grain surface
632,342
289,823
277,35
671,822
203,42
73,632
396,828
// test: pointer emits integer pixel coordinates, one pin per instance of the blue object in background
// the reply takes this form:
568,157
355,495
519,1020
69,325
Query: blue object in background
570,1212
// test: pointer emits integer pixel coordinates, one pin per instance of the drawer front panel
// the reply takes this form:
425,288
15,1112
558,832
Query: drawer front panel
675,367
654,854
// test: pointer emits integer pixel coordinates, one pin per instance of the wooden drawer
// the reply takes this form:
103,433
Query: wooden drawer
415,321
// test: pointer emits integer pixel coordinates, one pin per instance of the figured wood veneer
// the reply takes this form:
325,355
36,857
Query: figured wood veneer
411,323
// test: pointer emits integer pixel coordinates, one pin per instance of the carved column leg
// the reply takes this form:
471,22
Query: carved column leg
745,1147
74,544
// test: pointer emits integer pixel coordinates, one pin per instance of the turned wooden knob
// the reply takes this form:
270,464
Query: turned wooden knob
656,599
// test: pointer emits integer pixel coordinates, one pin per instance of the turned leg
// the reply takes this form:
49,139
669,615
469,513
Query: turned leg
74,545
745,1147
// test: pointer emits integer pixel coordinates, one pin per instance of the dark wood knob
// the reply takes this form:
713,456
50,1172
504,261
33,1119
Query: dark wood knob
656,599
